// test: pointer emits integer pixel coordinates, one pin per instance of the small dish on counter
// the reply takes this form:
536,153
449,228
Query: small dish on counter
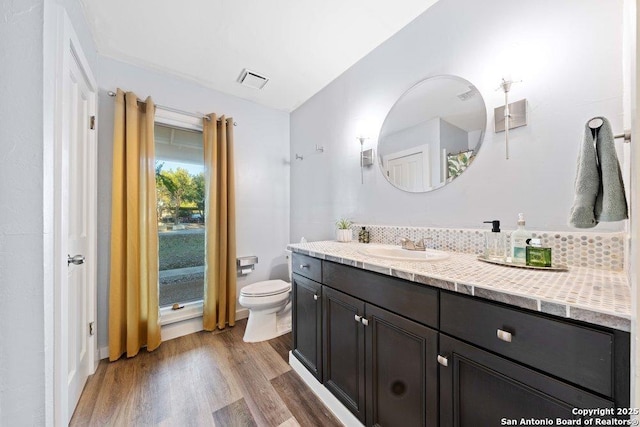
554,267
398,254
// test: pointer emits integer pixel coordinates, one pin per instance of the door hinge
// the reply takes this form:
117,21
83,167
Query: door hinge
92,329
92,122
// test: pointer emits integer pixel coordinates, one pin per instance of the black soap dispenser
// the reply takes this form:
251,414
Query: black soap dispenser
495,242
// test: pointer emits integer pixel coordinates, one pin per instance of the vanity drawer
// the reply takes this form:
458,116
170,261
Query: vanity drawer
307,266
416,302
578,354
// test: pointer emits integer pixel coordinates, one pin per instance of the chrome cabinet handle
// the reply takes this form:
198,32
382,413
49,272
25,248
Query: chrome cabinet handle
358,318
315,297
304,265
504,335
76,259
443,360
365,321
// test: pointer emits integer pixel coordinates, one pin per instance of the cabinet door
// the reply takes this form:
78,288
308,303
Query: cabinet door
478,388
343,349
307,324
402,371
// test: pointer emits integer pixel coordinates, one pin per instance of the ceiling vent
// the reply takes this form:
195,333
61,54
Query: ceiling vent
469,94
251,79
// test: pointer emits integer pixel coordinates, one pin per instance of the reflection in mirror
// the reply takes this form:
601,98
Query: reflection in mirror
432,134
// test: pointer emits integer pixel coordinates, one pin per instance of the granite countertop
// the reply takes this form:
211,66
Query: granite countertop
600,297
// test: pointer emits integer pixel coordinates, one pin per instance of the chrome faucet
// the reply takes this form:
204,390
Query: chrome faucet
410,245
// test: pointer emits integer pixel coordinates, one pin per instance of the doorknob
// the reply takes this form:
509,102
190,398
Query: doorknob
76,259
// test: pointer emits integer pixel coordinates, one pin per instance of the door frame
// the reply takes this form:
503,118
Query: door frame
68,48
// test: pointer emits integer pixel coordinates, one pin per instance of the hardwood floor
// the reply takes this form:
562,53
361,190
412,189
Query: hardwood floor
203,379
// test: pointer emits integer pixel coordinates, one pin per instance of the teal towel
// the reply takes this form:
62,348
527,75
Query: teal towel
586,185
599,190
611,203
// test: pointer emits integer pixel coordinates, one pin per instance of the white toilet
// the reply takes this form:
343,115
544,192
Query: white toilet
269,305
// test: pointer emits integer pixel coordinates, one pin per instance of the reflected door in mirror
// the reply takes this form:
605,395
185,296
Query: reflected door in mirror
409,170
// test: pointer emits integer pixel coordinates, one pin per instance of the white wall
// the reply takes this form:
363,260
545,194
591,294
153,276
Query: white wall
27,52
569,56
262,168
22,399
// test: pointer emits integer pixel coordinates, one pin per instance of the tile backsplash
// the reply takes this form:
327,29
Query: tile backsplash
595,250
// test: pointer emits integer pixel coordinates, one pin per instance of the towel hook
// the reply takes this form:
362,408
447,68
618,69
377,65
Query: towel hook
596,122
626,135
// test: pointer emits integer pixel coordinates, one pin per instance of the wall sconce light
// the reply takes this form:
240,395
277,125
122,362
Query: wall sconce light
511,115
366,156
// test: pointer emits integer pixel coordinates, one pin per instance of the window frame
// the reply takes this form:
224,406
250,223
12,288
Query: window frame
192,309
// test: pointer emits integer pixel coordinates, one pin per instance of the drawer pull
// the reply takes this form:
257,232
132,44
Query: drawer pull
365,321
358,318
504,335
303,266
443,360
315,297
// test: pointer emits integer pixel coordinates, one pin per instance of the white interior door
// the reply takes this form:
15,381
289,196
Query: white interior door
406,171
75,227
409,169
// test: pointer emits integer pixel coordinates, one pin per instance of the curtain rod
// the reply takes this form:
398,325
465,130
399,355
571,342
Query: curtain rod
175,110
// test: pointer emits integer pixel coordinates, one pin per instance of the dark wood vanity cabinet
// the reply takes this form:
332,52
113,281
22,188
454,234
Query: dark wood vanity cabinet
401,370
343,349
307,323
381,366
397,353
517,364
478,388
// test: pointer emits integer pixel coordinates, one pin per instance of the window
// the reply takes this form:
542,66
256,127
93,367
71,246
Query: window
181,219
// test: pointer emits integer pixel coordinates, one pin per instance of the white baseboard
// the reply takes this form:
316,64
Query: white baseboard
181,328
330,401
242,313
104,352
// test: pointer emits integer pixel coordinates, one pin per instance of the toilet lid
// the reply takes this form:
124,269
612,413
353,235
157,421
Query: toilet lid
266,288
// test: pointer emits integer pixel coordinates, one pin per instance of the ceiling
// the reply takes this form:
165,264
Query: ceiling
301,45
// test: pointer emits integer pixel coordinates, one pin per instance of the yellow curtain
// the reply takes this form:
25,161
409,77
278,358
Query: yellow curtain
133,292
220,219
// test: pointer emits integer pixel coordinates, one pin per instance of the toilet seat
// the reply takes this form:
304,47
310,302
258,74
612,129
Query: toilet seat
266,288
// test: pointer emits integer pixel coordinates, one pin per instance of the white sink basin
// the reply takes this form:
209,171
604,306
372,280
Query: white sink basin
398,254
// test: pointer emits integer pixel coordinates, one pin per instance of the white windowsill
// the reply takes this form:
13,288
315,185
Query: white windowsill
190,311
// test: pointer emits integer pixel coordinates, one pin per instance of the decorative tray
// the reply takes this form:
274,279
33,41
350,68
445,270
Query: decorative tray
554,267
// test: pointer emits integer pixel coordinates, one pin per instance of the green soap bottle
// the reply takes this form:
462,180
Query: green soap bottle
536,255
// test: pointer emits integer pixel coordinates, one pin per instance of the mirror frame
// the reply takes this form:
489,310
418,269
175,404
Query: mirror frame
403,96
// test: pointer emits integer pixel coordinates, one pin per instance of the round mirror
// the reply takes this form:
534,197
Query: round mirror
432,134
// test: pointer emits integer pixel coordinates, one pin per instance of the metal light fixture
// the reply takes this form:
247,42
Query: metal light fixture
506,87
366,156
510,122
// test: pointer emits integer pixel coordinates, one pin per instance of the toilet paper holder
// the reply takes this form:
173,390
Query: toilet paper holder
246,264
